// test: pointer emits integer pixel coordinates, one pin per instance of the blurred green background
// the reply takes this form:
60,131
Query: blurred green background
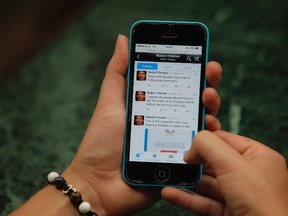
46,106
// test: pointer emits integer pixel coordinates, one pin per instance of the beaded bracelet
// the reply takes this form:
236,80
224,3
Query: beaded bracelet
75,197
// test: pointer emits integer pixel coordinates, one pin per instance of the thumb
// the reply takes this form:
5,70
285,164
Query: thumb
112,94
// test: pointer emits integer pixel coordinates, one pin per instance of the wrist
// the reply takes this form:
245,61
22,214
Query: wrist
83,186
47,202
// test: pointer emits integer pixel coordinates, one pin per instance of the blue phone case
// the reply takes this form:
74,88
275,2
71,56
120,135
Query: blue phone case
127,94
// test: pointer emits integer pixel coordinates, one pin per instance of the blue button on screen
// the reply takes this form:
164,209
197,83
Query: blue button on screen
147,66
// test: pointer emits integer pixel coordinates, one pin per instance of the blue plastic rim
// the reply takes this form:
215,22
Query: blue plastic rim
127,95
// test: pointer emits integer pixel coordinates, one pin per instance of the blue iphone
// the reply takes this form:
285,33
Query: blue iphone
166,78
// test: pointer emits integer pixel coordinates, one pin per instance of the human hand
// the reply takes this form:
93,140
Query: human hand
241,177
97,165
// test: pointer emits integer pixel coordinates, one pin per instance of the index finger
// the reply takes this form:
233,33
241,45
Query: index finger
209,148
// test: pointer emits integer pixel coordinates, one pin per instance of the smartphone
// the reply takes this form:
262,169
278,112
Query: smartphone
164,110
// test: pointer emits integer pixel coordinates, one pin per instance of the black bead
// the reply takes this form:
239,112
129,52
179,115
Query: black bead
76,198
59,182
90,213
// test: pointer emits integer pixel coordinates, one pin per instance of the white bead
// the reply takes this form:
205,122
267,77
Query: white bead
84,207
51,176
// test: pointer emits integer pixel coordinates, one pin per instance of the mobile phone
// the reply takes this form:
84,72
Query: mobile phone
164,110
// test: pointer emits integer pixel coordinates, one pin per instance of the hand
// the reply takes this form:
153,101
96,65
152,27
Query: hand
97,165
241,177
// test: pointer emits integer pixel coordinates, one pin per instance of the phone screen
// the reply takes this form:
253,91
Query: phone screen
166,78
165,108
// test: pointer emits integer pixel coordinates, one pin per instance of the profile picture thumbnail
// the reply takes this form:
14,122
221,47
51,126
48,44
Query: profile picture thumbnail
141,75
140,96
138,120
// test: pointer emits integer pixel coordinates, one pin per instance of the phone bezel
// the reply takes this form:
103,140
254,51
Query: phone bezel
185,32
